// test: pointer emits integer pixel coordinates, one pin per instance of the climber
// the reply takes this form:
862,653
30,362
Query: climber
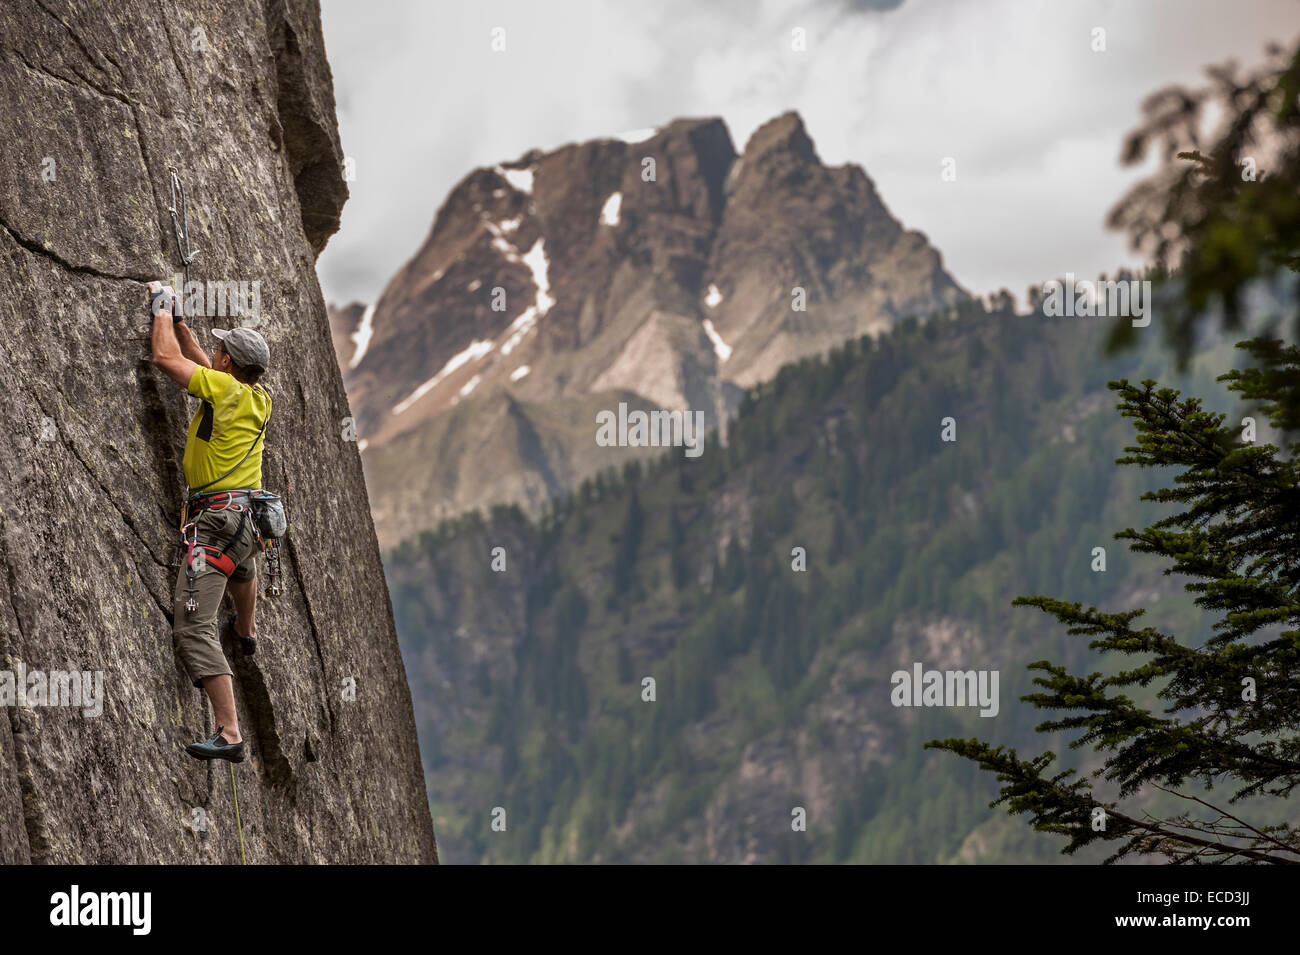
223,459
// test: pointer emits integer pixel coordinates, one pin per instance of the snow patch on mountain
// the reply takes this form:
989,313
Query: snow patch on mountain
609,214
361,337
519,372
713,298
520,327
475,351
501,243
539,265
720,348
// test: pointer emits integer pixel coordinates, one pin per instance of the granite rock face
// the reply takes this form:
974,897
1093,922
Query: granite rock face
97,102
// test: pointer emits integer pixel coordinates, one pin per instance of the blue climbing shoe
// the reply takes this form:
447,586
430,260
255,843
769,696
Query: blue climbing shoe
216,747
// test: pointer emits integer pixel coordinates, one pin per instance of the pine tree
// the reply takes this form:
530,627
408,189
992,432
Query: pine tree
681,570
1233,704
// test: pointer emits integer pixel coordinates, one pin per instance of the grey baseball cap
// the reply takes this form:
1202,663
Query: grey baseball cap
246,348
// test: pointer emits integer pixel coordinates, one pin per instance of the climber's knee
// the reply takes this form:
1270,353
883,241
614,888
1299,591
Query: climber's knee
195,634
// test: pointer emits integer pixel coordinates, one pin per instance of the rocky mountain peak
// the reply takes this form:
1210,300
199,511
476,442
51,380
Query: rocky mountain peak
782,134
659,265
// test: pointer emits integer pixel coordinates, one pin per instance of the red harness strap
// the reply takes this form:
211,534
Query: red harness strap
214,558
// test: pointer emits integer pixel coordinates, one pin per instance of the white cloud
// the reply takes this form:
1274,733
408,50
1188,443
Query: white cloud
1009,89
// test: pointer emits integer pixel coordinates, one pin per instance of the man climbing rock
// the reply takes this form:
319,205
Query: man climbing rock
223,460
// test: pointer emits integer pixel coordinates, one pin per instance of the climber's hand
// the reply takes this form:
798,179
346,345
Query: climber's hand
162,300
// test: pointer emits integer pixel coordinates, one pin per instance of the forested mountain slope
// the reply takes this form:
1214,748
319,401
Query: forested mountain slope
772,684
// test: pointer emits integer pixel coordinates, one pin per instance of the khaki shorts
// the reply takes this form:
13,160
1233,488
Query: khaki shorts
194,635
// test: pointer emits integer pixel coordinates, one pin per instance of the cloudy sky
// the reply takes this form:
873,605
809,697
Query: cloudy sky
1010,89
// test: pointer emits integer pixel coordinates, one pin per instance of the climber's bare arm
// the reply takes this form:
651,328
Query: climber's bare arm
189,347
174,349
167,351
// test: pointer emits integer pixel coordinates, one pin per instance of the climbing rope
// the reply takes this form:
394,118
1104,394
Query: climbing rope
238,825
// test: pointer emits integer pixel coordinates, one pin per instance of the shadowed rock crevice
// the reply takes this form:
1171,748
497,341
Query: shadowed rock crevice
38,840
33,820
292,557
260,718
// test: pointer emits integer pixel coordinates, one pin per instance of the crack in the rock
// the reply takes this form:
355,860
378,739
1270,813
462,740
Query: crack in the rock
315,632
144,152
109,56
162,607
85,51
161,208
86,83
31,245
176,58
38,843
261,714
126,519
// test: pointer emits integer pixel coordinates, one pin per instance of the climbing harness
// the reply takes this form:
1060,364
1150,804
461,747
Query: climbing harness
181,228
209,555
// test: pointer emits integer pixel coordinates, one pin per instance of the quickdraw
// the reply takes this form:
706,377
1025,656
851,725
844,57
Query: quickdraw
181,228
189,543
271,549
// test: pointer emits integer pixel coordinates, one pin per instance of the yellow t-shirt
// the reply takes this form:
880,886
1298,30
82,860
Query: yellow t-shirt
227,421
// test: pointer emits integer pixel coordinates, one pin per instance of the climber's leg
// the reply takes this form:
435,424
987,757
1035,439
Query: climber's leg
244,594
243,591
195,634
197,644
222,694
